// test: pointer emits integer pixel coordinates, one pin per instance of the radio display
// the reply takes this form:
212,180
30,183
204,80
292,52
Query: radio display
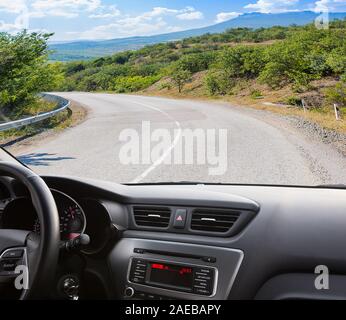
170,275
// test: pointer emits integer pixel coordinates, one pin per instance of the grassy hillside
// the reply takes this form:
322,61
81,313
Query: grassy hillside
277,64
91,49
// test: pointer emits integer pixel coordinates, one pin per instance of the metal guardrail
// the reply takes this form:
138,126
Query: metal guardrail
63,104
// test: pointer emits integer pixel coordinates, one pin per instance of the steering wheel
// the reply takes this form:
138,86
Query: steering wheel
25,257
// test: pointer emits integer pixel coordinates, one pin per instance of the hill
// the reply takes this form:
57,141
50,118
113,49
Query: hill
82,50
284,65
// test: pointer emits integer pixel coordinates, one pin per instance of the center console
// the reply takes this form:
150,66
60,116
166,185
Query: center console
151,269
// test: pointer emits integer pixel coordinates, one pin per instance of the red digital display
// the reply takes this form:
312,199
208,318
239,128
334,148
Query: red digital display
181,271
171,275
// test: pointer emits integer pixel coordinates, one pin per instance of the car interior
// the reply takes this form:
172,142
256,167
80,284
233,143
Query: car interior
89,239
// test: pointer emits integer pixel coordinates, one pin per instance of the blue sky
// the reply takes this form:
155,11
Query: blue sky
107,19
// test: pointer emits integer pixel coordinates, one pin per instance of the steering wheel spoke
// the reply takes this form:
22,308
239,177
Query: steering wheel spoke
14,262
11,238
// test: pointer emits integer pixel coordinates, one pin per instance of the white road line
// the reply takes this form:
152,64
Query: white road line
167,152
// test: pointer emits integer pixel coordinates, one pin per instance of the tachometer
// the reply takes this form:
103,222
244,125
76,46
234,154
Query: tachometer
72,221
71,215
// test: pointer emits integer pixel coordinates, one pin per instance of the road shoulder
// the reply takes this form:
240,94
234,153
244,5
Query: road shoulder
79,113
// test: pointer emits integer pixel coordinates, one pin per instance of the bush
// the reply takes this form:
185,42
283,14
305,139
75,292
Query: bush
74,67
337,60
217,82
294,101
165,85
180,77
337,94
197,62
256,94
133,84
242,62
274,75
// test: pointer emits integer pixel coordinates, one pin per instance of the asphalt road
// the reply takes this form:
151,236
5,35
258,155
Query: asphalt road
261,148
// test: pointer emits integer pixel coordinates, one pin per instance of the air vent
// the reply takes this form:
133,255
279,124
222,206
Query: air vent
157,217
213,220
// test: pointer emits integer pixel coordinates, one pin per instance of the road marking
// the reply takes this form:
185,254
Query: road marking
167,152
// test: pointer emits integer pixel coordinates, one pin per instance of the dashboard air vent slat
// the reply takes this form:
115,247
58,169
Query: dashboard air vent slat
157,217
213,220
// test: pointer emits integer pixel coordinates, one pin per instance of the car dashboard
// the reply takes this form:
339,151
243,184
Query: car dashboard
191,242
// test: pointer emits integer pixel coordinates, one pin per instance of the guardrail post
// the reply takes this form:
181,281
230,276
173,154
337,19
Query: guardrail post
337,112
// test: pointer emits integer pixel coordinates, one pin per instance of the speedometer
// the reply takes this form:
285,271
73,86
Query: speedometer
71,215
72,221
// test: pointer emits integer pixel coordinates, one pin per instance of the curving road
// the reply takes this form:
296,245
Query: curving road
261,148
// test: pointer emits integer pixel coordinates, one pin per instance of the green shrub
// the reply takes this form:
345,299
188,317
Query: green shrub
217,82
180,77
165,85
294,101
197,62
133,84
241,61
274,75
337,60
256,94
337,94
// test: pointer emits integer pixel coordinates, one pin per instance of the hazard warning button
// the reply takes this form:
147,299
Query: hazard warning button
180,219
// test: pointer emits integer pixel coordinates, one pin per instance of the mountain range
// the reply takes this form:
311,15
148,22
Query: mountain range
88,49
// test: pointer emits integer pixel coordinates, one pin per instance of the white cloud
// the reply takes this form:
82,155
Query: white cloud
150,22
106,12
121,29
159,11
9,27
272,6
88,5
224,16
20,20
194,15
63,8
12,6
329,5
189,13
143,24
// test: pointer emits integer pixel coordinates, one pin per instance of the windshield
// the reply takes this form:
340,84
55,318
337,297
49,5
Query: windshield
246,92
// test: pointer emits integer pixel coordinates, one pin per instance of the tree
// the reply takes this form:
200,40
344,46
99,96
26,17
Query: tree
24,71
197,62
180,77
242,61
